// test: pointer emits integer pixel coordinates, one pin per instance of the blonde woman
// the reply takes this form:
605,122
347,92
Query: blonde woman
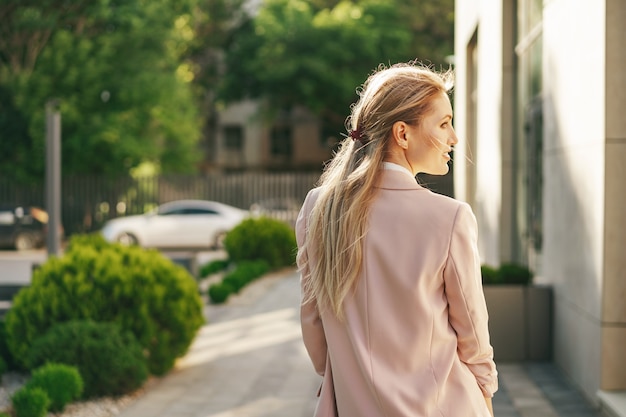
393,314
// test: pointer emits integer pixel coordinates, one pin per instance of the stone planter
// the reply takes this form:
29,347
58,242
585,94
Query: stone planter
520,322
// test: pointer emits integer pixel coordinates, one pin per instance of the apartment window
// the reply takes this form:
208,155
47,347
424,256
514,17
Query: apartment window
529,134
472,116
281,142
233,137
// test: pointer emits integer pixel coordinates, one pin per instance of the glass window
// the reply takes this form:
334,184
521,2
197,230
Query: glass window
281,141
233,137
200,211
529,134
171,212
472,116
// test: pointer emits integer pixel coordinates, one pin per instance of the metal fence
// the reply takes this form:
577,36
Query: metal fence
88,202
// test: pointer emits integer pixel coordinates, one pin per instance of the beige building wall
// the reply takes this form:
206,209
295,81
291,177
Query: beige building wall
309,151
584,149
574,175
479,153
246,115
310,148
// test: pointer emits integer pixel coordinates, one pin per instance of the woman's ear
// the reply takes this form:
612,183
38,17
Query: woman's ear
399,131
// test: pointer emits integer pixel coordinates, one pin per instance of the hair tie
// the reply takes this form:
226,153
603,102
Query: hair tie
356,134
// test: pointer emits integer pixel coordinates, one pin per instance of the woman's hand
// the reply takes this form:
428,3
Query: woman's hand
489,405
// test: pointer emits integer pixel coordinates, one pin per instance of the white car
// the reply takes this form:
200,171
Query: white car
177,224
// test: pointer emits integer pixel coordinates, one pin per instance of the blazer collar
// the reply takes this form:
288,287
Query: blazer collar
396,180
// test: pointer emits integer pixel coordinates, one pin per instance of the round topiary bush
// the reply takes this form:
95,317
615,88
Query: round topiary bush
244,273
30,402
110,360
219,292
234,281
262,238
62,383
253,269
140,290
213,267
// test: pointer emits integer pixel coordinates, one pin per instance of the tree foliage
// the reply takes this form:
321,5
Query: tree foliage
141,80
315,53
214,23
116,68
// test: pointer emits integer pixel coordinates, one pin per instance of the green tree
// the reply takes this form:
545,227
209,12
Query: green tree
315,54
213,24
116,68
27,27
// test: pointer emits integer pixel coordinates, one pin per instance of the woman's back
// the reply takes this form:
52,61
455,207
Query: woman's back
393,315
395,352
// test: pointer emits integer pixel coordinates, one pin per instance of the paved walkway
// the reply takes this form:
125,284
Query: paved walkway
249,361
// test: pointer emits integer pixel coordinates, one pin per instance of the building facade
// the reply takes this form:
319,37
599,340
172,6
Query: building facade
248,139
539,95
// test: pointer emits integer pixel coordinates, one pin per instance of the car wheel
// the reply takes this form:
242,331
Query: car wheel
127,239
25,241
218,243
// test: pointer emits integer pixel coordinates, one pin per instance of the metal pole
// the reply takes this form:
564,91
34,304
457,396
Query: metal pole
53,177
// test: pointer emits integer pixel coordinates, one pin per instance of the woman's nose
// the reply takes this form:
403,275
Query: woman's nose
453,139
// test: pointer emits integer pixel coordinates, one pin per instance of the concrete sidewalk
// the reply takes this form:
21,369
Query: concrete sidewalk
249,361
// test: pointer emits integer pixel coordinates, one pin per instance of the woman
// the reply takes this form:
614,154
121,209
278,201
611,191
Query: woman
393,314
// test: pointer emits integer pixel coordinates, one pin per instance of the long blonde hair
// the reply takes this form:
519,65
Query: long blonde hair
338,221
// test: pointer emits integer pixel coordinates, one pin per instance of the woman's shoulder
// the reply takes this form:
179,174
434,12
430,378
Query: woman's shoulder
312,196
446,201
437,208
440,201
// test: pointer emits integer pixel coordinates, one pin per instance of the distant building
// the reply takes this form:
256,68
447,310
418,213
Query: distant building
294,140
539,101
248,140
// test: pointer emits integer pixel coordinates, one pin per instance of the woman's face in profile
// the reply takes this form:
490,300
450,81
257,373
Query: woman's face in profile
431,142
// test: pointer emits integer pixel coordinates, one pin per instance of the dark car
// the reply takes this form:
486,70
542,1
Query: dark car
22,228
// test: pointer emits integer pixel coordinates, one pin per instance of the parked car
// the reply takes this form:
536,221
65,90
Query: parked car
177,224
22,228
285,209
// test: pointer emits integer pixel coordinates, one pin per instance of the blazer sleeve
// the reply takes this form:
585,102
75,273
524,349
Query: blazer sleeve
310,319
466,301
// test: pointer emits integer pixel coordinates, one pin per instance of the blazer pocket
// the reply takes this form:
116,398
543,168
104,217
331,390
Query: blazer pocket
327,403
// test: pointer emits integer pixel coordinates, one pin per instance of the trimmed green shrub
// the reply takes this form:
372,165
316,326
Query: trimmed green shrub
110,360
219,292
5,353
3,414
3,366
62,383
93,240
243,274
213,267
30,402
262,238
234,281
489,275
512,273
140,290
253,269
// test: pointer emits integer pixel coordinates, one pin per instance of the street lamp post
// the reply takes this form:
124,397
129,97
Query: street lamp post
53,176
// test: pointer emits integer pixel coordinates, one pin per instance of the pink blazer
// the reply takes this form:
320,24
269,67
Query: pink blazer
415,341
